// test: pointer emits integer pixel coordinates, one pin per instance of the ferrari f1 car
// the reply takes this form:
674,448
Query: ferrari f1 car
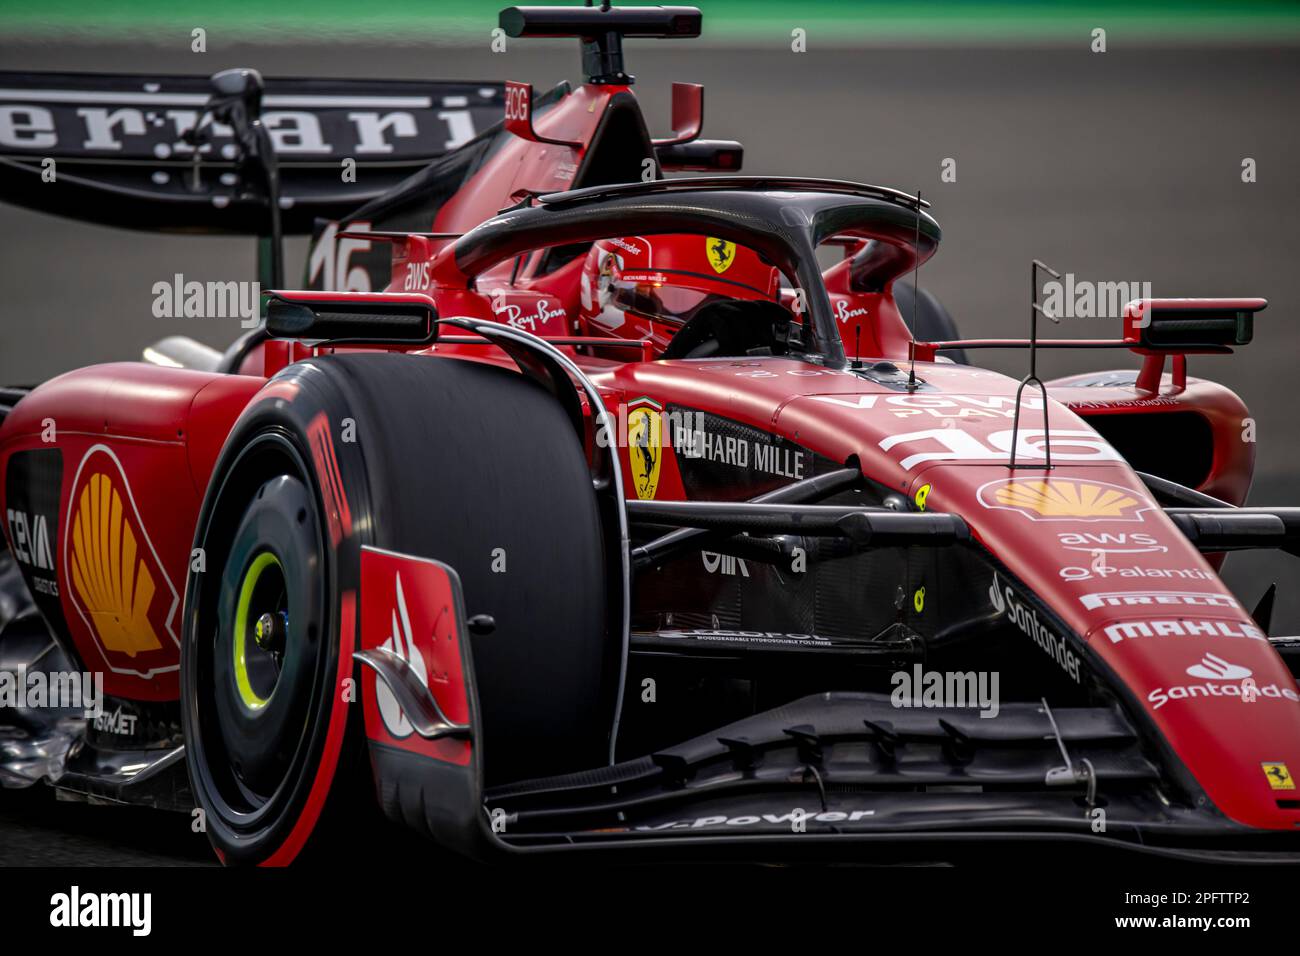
571,507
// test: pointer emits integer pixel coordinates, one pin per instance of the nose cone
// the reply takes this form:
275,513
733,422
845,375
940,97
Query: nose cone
1224,701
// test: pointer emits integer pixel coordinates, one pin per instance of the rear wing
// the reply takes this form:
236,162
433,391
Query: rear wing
111,148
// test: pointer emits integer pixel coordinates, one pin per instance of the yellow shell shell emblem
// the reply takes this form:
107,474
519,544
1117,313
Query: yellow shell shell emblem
645,430
111,577
1065,498
721,253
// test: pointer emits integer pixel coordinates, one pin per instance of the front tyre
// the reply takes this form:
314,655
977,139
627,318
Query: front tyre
437,458
263,659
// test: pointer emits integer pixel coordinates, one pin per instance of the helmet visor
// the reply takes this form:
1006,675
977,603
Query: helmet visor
663,303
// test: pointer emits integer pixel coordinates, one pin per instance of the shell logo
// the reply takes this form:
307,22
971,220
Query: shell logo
119,586
112,580
1050,499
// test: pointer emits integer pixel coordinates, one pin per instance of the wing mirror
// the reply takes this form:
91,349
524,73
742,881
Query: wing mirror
356,317
1155,326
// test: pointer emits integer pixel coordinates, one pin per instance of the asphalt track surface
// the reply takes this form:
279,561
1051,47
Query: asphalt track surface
1123,166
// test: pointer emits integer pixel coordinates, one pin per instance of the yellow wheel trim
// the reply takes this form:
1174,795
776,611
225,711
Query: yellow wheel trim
244,685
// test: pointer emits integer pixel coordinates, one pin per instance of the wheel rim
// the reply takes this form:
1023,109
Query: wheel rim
260,632
258,697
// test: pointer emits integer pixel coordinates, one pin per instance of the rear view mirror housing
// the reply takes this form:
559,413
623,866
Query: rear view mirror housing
702,156
1165,326
400,318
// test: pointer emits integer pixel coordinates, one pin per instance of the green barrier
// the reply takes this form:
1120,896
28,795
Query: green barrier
750,22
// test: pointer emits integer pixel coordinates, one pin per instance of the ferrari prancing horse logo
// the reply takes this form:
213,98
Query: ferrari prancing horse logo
1279,778
645,430
721,253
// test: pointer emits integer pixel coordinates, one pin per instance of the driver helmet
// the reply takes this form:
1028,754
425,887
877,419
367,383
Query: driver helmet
651,286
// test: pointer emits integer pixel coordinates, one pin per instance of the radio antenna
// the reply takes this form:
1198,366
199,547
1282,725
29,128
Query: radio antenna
1035,309
916,301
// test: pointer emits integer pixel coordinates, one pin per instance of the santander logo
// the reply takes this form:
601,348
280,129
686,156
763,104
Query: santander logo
1219,678
401,644
995,596
1025,617
1213,667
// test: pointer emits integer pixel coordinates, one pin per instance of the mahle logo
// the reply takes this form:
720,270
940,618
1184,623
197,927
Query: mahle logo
1182,627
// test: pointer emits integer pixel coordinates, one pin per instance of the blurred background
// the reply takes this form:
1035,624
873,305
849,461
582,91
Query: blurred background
1123,165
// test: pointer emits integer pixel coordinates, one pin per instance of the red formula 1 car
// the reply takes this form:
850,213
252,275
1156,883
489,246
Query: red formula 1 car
616,520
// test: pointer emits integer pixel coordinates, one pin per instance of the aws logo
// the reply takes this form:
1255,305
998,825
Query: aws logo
119,586
721,253
645,446
1063,499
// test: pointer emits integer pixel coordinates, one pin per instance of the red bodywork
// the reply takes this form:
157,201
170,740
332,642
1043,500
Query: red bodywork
1088,540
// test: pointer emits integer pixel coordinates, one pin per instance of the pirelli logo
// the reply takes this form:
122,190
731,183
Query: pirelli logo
337,512
1157,599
